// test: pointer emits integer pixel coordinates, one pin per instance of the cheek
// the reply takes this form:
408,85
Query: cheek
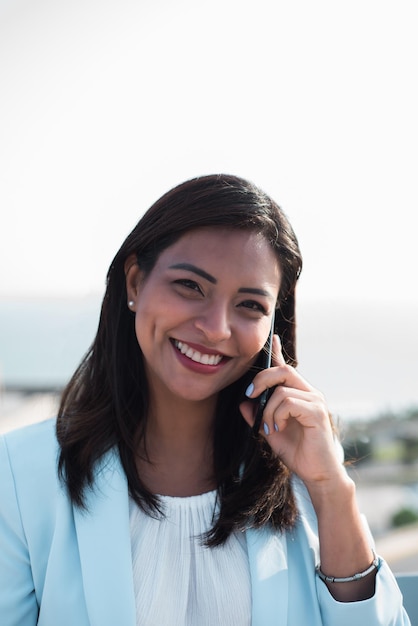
143,327
252,343
152,322
138,331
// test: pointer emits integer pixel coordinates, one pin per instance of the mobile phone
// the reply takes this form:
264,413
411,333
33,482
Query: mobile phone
264,397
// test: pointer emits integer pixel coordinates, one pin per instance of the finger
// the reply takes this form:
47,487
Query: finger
307,409
294,411
277,357
248,410
280,375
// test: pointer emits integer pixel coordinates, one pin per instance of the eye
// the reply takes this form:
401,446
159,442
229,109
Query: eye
255,306
188,285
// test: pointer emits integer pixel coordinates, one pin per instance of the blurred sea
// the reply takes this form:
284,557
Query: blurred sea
43,340
363,357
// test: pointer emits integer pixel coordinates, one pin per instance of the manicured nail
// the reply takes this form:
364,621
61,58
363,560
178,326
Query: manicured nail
249,389
266,429
276,428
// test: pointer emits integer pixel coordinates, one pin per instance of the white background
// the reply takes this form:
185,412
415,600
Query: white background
105,104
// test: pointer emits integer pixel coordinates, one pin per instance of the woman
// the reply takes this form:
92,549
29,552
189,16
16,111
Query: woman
171,507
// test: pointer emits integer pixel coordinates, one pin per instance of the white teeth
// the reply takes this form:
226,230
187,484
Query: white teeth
194,355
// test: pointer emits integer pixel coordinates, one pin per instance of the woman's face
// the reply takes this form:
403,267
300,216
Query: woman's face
204,311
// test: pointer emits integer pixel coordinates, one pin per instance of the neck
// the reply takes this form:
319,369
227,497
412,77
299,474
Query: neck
176,455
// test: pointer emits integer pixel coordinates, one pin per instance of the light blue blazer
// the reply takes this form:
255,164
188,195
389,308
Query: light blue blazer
60,566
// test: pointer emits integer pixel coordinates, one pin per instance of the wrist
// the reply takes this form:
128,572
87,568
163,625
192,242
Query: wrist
332,493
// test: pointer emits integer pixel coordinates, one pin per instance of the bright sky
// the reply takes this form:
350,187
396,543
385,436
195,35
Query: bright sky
106,104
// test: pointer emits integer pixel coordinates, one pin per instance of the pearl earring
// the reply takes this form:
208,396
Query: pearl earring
131,304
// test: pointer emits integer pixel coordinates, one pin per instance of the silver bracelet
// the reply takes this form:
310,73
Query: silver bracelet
349,579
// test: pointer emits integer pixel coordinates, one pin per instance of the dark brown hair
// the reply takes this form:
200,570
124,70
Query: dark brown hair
105,403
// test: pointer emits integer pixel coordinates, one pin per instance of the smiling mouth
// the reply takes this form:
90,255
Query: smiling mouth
195,355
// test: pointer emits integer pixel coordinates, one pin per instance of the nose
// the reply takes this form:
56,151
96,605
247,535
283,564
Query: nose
214,323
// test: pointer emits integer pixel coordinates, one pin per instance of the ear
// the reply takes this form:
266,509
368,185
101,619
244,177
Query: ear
133,277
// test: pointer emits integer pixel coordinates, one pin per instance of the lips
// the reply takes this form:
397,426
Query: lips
196,356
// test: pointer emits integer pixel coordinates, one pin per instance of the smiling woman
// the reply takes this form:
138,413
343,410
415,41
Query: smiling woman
211,522
192,317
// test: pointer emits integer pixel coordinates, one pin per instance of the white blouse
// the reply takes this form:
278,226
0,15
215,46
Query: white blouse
180,582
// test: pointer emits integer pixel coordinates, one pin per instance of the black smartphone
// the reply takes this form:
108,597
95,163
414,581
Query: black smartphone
264,397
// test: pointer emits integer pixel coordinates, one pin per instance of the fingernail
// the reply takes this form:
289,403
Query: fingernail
266,429
249,389
276,428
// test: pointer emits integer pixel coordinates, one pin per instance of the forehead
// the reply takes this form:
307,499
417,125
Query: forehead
244,255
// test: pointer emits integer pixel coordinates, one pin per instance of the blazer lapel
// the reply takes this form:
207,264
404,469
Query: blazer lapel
267,553
105,549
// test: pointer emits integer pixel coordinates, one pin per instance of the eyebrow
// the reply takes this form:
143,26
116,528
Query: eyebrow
255,291
192,268
197,270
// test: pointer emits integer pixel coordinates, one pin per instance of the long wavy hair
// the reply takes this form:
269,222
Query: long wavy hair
105,404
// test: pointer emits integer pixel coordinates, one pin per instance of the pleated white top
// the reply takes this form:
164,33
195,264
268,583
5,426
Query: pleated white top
180,582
